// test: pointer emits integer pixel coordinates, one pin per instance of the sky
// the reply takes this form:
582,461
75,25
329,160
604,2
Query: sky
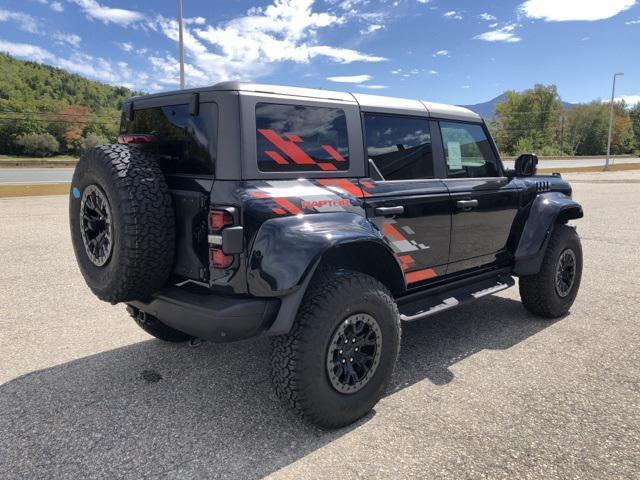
450,51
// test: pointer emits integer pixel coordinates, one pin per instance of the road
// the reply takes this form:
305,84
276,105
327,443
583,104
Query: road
35,175
485,391
63,175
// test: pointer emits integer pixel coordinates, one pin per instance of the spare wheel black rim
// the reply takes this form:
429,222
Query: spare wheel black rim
96,225
565,272
354,353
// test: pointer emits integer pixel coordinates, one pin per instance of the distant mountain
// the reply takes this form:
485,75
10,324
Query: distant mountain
487,110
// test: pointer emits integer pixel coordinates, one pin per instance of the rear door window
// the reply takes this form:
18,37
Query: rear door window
183,143
468,151
294,138
399,147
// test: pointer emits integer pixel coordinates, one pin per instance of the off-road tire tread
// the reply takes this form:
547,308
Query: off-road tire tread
537,292
288,379
148,229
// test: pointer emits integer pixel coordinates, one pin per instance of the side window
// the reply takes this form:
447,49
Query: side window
400,147
468,151
292,138
183,143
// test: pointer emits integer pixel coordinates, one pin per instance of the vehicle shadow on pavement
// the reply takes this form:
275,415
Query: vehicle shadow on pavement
155,409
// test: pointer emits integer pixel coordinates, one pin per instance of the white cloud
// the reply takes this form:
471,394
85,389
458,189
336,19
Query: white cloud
124,46
251,45
433,72
574,10
350,79
453,14
374,27
629,99
465,87
54,5
343,55
373,87
504,34
441,53
119,16
25,22
424,2
69,38
487,16
632,22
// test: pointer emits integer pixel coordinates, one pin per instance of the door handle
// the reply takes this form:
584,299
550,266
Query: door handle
467,205
386,211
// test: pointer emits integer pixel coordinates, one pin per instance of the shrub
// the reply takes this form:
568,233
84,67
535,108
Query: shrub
38,144
92,140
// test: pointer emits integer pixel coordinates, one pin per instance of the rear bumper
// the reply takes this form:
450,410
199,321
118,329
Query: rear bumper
212,316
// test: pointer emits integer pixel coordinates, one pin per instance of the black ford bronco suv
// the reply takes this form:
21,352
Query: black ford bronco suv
322,219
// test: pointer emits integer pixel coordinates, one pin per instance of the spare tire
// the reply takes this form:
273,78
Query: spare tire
122,223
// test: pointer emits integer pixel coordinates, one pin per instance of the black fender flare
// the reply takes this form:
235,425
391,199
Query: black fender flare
547,210
287,251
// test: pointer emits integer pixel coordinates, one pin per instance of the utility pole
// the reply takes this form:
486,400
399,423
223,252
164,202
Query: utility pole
611,118
181,35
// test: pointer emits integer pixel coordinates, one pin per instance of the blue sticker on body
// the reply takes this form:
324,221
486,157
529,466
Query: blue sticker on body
76,192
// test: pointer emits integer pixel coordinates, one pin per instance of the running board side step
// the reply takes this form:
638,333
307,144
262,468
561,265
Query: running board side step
432,304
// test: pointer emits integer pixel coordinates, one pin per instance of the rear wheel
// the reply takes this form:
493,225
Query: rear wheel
337,361
551,292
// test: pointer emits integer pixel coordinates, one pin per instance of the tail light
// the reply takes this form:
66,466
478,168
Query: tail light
219,259
219,219
134,139
225,237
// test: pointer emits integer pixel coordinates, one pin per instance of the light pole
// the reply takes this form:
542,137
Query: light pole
181,36
611,117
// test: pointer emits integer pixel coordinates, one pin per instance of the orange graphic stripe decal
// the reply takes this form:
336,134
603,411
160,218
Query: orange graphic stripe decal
420,275
345,185
406,261
390,231
276,157
294,138
287,205
259,194
334,153
296,154
327,166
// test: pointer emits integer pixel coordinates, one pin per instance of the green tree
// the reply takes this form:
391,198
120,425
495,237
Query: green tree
634,115
37,98
533,114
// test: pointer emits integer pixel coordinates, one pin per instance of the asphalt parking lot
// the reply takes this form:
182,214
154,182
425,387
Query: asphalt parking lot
485,391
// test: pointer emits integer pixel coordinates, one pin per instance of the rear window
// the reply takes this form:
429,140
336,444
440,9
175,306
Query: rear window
183,143
293,138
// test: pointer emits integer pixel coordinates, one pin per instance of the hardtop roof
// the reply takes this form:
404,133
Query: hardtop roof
365,101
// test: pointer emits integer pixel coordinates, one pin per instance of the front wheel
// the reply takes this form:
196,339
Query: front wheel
551,292
337,361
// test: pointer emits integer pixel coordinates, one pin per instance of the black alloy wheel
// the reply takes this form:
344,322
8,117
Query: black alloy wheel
96,225
354,353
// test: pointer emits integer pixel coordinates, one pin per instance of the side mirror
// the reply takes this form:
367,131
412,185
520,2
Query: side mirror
526,165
